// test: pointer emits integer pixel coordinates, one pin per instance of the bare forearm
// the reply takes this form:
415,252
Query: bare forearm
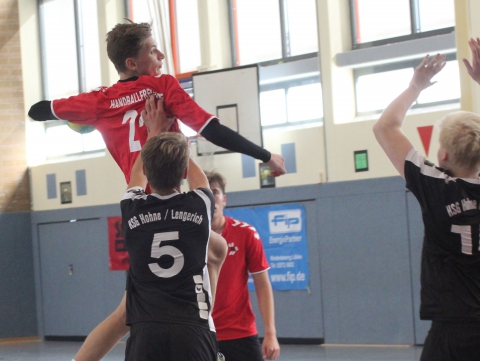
394,115
217,251
102,339
105,335
266,306
195,176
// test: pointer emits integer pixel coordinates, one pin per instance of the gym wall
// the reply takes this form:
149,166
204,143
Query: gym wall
319,159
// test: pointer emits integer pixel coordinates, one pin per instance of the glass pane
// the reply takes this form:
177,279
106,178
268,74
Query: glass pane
62,140
380,19
447,88
436,14
59,48
188,35
186,130
93,141
376,91
305,102
302,26
140,11
258,31
91,46
273,107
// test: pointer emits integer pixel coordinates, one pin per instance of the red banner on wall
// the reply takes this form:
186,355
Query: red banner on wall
117,250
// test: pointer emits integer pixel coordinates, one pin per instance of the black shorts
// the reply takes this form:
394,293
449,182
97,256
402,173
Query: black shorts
452,341
242,349
155,341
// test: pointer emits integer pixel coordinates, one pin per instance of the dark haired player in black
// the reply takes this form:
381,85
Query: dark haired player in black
450,200
170,292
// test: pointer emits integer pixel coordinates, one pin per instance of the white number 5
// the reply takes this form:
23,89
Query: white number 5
158,251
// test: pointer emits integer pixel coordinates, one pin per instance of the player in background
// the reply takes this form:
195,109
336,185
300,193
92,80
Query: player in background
449,198
168,302
233,315
115,111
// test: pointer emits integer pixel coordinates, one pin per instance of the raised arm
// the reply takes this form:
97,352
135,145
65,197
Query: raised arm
156,122
42,111
195,175
474,68
387,130
226,138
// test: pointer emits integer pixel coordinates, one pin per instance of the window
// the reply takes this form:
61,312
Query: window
292,104
291,94
392,36
185,31
436,14
397,20
71,65
61,140
272,29
377,87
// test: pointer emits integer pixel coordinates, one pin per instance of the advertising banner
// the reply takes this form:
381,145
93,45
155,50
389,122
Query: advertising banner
118,256
282,229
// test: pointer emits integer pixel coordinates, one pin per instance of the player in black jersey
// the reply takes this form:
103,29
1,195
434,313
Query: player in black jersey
170,292
450,202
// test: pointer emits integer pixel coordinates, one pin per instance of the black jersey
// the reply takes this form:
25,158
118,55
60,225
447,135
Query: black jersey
167,239
450,276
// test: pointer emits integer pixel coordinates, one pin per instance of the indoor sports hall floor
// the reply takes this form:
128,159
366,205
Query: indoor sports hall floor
64,351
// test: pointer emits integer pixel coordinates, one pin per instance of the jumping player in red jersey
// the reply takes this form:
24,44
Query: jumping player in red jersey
167,301
449,198
116,110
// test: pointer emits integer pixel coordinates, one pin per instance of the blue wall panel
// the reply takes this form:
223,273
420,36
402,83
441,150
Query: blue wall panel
365,269
416,232
360,287
17,285
51,186
248,166
81,181
288,152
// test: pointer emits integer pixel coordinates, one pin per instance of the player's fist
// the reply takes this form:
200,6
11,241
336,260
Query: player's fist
154,116
277,165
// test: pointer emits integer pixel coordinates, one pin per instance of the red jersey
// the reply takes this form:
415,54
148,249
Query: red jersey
115,112
232,313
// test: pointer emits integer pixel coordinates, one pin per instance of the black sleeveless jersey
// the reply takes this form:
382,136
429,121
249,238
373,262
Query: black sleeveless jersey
167,239
450,273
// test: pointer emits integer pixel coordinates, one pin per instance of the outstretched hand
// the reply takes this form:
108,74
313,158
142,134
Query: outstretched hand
474,68
277,165
428,68
154,116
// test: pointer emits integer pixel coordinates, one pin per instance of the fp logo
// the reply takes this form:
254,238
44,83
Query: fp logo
285,221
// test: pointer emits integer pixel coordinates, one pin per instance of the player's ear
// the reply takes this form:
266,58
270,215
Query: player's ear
185,173
224,200
131,64
443,155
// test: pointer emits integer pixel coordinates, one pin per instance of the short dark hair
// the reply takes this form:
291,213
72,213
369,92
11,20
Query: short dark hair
214,177
165,158
125,41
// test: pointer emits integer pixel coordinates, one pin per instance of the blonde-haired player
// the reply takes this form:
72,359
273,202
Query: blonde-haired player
450,198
